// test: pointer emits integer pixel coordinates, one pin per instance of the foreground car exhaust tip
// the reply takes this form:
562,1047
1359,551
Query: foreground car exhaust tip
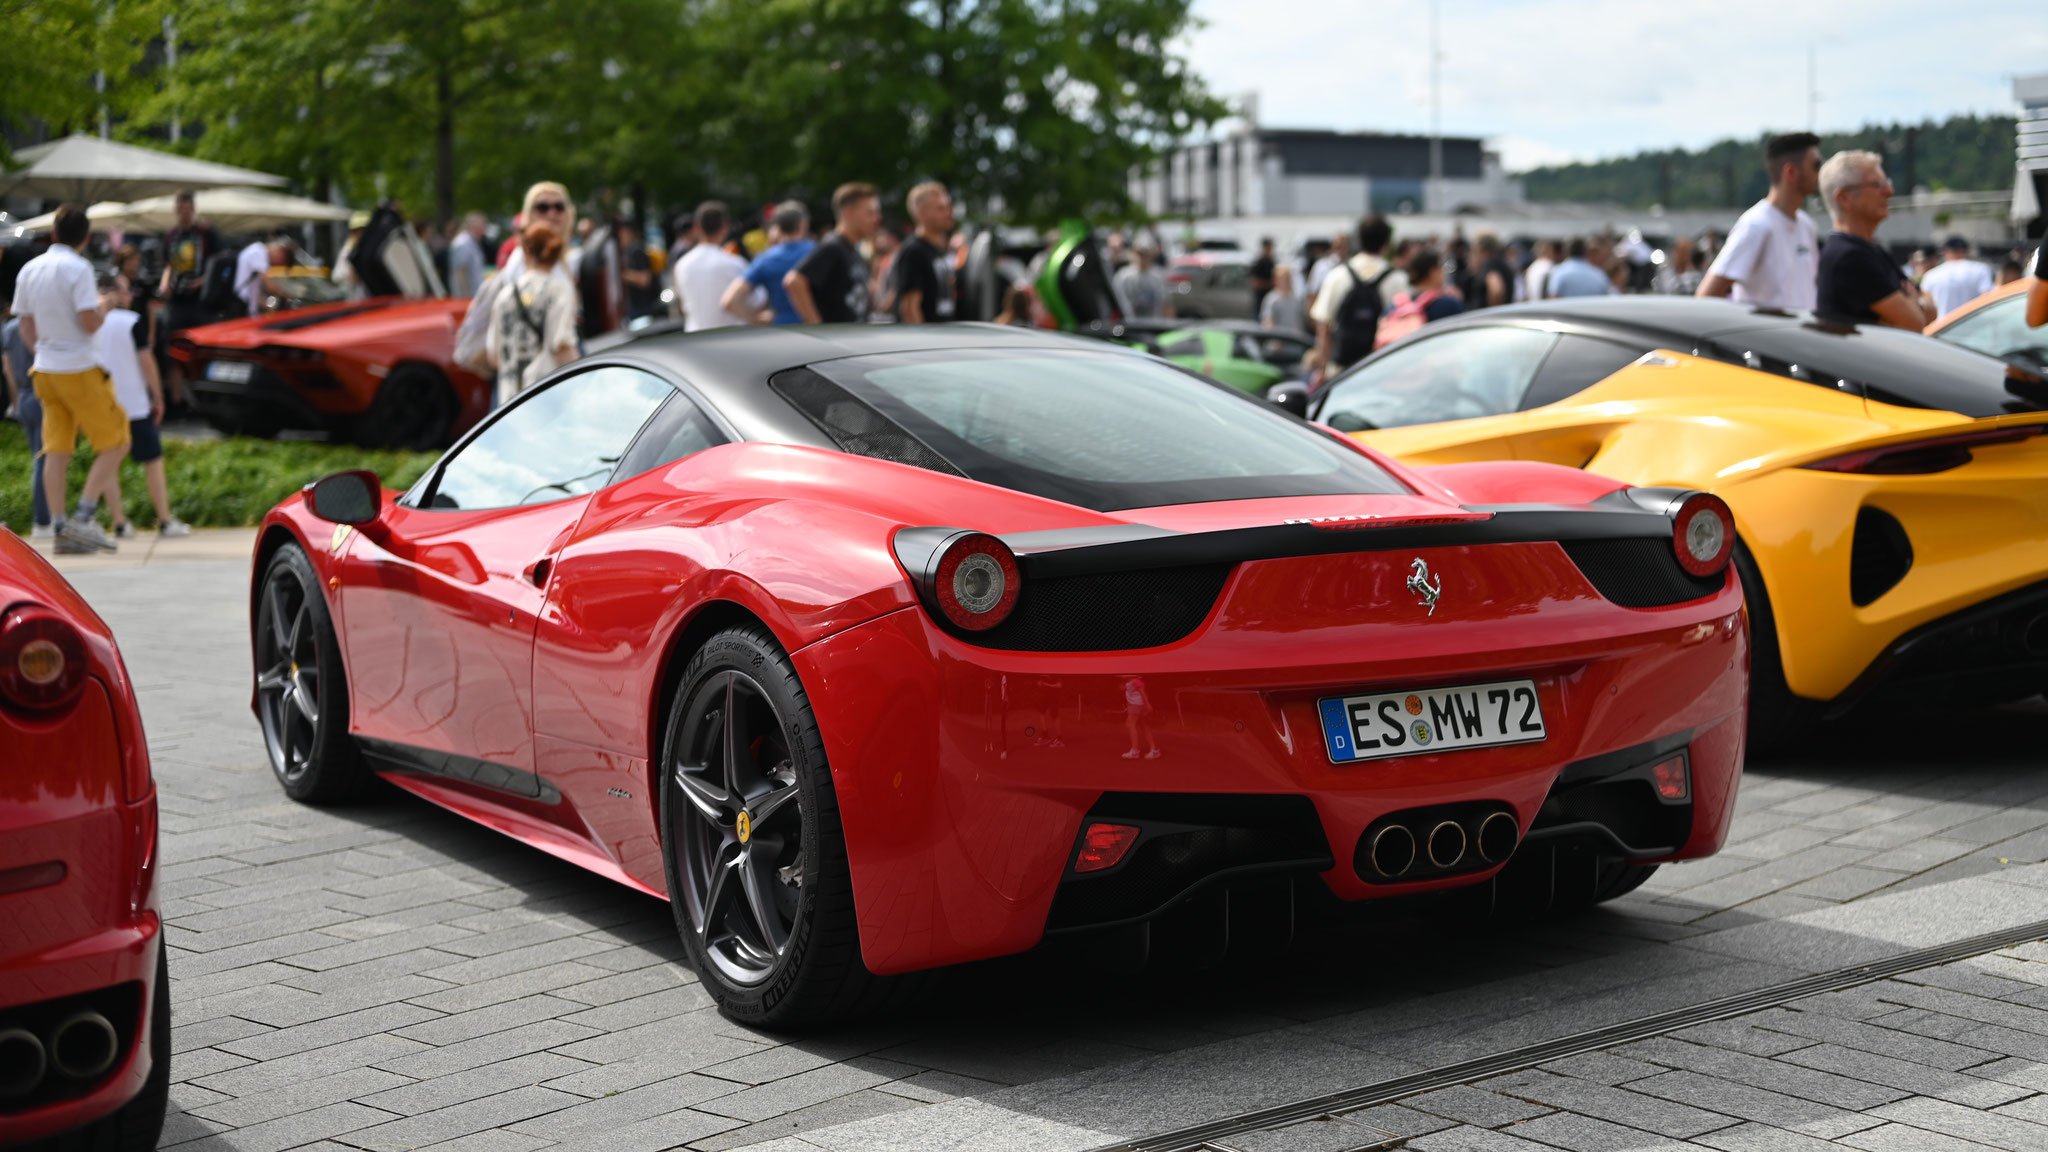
1498,835
1393,851
83,1046
1447,844
21,1062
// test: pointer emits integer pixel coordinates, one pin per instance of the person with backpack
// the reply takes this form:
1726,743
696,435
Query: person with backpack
533,320
1353,297
1427,302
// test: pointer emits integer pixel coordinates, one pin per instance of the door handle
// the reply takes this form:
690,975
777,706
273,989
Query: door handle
536,573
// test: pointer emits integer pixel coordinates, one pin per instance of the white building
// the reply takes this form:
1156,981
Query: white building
2030,190
1282,172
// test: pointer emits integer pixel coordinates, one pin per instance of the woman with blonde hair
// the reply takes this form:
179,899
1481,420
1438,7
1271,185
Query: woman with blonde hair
547,203
533,320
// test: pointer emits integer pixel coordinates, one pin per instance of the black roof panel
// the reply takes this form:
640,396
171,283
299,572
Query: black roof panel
1888,365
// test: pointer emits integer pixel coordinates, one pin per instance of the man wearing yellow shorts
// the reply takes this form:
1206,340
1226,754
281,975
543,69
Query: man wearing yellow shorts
60,310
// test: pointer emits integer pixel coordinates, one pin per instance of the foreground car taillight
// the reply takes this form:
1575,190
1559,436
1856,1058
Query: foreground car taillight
977,581
42,659
1703,534
1922,457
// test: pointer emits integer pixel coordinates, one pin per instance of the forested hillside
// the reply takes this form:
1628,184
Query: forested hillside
1963,153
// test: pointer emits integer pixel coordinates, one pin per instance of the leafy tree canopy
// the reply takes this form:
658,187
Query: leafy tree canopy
1037,108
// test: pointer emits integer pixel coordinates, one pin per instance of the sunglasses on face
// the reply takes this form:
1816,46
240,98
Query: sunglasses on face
550,206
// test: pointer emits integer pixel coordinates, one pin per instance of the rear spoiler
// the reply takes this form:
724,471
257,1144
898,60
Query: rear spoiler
1625,513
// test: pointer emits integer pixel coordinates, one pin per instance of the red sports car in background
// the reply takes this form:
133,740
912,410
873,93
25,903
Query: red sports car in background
380,371
85,1026
881,649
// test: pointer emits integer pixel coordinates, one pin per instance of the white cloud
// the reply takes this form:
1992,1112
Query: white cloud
1592,78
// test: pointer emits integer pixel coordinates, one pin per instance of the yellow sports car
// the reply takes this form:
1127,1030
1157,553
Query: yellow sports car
1890,491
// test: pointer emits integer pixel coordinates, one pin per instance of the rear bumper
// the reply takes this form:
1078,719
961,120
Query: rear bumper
79,927
964,775
1994,650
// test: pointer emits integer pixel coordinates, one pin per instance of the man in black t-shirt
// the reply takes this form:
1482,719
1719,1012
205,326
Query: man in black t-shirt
1859,281
923,274
831,285
187,248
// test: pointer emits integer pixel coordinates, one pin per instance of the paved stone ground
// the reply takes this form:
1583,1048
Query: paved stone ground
1947,1059
388,976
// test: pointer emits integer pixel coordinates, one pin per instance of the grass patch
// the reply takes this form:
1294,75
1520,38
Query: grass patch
227,483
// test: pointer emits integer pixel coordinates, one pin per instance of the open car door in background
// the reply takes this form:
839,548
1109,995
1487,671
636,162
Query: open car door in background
390,259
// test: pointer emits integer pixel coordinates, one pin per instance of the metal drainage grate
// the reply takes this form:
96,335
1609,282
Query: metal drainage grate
1215,1135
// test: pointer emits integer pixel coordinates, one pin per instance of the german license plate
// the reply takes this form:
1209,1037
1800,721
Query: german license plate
1431,720
230,371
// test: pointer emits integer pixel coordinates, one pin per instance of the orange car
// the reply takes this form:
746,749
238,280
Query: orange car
1998,323
379,371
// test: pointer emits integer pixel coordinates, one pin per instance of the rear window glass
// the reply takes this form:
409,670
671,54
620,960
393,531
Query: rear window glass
1101,431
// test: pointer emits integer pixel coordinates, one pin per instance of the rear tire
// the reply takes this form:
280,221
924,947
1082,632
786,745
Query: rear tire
301,688
765,910
1778,720
415,409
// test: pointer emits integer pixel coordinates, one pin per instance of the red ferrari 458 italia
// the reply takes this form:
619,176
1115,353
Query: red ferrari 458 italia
881,649
85,1025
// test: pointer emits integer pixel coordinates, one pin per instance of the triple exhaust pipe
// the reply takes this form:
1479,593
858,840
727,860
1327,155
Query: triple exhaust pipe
1428,842
80,1048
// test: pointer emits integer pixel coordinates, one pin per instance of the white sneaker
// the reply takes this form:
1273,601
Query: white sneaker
43,532
86,533
174,527
124,531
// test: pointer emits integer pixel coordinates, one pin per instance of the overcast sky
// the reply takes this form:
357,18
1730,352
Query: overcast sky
1553,80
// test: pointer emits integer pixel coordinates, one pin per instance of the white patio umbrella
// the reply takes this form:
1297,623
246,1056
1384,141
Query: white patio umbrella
85,169
228,209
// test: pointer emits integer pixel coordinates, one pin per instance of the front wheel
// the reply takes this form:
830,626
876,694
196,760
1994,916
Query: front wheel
301,690
757,869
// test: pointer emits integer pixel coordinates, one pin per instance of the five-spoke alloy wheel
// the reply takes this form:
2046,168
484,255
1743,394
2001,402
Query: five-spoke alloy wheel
741,831
757,870
301,697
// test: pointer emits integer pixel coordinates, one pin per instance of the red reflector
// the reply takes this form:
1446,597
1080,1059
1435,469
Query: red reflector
1103,846
1672,782
32,877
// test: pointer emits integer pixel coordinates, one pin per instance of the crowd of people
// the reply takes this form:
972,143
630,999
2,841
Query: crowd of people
1363,290
78,354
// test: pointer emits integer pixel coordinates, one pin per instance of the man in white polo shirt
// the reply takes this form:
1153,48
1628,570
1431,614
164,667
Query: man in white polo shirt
60,310
1772,256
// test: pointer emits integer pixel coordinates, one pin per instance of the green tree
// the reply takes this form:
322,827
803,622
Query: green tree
1962,152
62,52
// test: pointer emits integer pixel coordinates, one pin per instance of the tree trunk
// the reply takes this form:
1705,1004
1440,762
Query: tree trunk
444,145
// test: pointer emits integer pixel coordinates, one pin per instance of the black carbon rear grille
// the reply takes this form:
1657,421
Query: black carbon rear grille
1107,611
1188,842
1638,572
1879,558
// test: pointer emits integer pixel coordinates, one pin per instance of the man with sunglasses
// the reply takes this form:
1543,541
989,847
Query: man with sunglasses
1859,281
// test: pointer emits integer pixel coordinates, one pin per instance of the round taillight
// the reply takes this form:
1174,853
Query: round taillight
1703,534
977,581
42,658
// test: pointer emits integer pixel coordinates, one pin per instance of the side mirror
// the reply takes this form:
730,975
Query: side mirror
1290,395
346,497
